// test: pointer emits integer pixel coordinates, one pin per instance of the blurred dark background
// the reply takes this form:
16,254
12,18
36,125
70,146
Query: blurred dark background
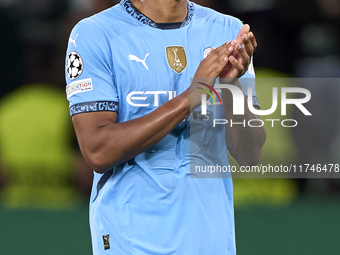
45,183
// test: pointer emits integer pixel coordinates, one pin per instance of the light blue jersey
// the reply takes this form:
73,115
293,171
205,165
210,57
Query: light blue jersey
121,61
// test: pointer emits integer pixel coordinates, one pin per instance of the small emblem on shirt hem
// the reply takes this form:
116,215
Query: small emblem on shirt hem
106,240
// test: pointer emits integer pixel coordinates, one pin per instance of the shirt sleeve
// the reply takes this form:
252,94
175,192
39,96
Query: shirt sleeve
89,71
248,79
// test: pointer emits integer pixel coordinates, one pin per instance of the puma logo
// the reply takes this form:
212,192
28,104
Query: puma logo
133,57
73,41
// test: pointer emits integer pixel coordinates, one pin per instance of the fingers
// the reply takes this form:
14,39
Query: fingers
247,38
248,45
244,30
237,65
215,62
222,60
252,39
243,55
234,72
244,47
217,53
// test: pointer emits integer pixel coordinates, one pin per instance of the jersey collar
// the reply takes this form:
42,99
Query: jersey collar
135,13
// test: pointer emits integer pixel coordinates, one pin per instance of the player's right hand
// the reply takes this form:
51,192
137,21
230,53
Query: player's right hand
214,63
208,70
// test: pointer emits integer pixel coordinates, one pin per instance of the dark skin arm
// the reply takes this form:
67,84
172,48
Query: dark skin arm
105,143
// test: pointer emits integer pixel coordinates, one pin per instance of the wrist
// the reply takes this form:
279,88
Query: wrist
231,81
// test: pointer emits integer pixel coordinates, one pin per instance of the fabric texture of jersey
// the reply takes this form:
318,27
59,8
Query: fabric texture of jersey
121,61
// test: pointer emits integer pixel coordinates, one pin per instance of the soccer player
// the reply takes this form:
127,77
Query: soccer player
129,71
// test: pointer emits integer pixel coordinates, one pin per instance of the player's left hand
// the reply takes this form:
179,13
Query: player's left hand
246,38
245,44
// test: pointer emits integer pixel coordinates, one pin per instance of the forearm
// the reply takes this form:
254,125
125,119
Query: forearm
244,142
115,143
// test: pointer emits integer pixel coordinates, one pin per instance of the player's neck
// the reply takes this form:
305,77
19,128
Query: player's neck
163,11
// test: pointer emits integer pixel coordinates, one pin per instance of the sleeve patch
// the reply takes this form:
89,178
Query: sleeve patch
74,65
78,87
96,106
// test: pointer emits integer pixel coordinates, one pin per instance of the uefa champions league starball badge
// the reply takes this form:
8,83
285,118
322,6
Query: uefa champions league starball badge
74,65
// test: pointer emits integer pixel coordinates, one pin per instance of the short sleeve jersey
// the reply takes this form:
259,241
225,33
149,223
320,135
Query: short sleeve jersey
120,60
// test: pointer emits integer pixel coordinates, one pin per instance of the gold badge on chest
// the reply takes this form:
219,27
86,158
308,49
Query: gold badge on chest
177,58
